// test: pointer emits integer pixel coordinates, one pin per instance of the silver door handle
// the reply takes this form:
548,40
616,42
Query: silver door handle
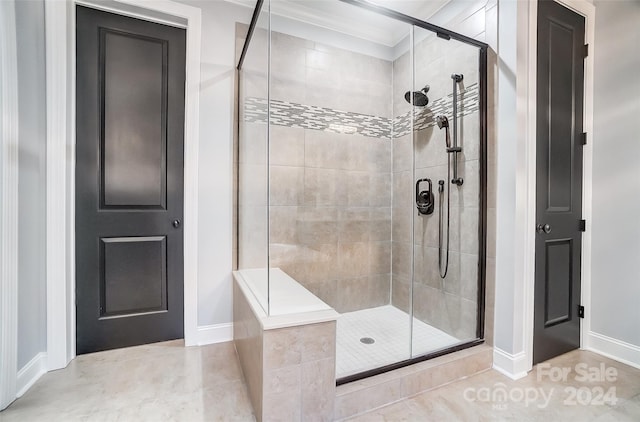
543,228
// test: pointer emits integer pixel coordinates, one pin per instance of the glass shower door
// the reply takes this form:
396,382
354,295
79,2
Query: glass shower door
447,158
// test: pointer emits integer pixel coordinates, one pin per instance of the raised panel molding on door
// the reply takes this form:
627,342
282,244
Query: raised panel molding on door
129,181
559,128
558,298
129,64
133,261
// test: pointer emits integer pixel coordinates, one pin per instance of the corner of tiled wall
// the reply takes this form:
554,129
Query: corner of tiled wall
330,189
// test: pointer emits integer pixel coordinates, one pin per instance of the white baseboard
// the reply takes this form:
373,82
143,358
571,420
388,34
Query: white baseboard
615,349
30,373
513,366
217,333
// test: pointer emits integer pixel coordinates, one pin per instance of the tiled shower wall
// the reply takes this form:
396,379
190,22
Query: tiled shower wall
333,194
330,192
450,303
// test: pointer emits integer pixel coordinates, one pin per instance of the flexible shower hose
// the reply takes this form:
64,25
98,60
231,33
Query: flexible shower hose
443,273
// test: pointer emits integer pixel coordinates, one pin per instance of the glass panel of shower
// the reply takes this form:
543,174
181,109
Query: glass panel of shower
253,158
446,153
359,183
331,180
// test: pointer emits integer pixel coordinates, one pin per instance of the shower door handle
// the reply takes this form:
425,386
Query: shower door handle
543,228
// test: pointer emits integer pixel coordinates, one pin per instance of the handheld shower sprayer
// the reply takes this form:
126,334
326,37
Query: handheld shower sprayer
443,122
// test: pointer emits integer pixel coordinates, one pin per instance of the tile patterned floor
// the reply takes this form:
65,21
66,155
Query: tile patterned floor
167,382
390,328
466,400
158,382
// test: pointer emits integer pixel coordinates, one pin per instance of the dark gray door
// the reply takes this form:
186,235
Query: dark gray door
129,181
560,77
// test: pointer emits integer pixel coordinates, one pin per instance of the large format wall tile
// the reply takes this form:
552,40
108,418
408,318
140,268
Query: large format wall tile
345,150
247,336
330,189
299,370
290,371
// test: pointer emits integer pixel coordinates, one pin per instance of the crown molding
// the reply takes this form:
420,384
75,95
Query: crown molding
344,22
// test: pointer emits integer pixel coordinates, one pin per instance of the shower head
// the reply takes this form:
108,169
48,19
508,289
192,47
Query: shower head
420,98
442,121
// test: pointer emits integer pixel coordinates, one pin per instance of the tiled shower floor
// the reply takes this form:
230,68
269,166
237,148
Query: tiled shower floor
390,328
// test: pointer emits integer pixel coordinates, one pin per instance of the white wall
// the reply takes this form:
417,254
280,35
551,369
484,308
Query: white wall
31,191
506,163
514,271
615,269
216,158
510,332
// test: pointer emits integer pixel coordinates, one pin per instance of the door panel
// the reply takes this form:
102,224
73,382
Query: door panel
129,181
134,85
134,279
560,110
560,80
558,281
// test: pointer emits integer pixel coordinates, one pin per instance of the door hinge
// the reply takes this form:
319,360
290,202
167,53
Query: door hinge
580,311
584,138
586,50
583,225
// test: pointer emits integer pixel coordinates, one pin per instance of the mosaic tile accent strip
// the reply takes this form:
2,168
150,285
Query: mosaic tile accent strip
284,113
468,102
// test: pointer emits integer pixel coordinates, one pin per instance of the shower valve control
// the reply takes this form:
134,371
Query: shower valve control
424,199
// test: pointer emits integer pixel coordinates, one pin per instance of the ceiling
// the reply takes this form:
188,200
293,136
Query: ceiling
348,19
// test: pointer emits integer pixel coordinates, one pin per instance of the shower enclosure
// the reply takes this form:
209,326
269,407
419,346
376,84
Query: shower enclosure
361,166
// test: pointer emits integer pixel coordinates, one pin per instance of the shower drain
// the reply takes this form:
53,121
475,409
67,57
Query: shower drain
367,340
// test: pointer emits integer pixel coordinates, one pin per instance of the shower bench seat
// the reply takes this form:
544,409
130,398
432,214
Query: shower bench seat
287,355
